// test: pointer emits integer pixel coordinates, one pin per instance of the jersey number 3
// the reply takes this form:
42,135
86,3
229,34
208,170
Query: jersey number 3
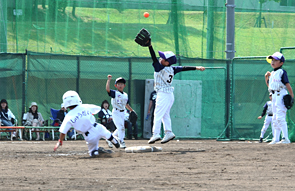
170,79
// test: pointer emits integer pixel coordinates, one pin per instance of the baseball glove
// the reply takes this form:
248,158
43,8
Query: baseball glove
143,38
133,117
288,101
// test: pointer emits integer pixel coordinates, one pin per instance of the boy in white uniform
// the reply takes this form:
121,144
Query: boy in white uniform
268,118
163,76
278,83
119,102
81,118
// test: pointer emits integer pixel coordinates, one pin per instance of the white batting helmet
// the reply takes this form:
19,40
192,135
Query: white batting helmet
71,98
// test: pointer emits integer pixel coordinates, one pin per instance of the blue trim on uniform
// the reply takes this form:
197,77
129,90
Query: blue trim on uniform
177,69
158,67
112,93
285,79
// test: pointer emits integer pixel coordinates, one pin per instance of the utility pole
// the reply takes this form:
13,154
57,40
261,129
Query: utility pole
230,29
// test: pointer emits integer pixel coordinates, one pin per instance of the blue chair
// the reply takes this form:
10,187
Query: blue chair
53,114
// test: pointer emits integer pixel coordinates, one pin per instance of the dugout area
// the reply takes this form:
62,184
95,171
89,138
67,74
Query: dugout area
232,96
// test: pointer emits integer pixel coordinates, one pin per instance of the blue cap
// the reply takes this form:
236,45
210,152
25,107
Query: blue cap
277,56
169,56
120,80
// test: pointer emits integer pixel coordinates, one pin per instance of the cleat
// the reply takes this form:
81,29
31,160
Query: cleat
154,138
260,140
168,137
101,150
122,145
110,144
116,142
284,141
273,142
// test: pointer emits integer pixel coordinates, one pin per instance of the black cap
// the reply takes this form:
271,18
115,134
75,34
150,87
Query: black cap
120,80
3,101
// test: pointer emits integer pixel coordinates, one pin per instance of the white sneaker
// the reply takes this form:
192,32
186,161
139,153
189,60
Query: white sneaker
154,138
273,142
284,141
122,145
168,137
110,143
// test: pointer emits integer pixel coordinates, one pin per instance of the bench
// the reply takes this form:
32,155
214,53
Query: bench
45,129
12,129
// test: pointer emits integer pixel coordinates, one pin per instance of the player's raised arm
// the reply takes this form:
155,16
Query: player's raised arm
108,83
153,54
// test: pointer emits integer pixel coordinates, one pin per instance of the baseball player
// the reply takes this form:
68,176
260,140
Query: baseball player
81,118
163,77
268,119
278,83
119,102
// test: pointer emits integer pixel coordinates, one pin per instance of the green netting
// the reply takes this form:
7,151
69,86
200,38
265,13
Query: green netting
49,76
250,95
11,80
108,27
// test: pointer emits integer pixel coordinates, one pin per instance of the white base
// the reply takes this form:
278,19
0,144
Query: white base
142,149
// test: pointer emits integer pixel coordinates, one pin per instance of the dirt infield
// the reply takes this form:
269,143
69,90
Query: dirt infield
182,165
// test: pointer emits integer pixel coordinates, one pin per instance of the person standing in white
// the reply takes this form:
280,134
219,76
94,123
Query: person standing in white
278,84
163,77
81,118
268,119
119,102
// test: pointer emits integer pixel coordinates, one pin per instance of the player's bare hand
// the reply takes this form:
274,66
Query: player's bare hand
201,68
58,144
267,74
109,77
259,117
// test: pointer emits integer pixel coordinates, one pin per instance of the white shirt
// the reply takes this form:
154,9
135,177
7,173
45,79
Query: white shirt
119,99
81,118
275,80
163,80
10,115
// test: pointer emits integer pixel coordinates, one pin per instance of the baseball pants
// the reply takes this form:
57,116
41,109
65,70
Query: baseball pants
164,102
279,115
119,120
94,135
267,122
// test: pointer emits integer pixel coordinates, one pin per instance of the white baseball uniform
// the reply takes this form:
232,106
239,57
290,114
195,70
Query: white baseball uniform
83,121
119,101
268,118
277,86
163,77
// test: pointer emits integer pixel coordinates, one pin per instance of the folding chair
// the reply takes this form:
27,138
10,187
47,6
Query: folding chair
54,115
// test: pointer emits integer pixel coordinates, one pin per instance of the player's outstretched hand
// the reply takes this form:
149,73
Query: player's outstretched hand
58,144
109,77
201,68
259,117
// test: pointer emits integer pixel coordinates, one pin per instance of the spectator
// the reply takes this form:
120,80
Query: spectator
7,117
105,116
34,118
106,119
129,127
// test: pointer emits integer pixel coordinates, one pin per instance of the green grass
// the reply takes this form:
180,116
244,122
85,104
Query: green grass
109,32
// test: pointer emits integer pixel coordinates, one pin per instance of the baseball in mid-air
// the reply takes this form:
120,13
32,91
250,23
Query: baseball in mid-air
146,14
